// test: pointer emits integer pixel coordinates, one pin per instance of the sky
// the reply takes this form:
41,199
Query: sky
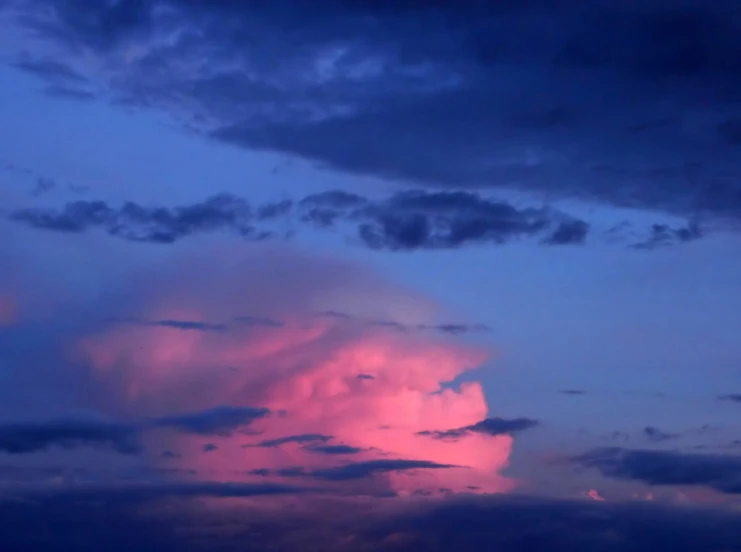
372,275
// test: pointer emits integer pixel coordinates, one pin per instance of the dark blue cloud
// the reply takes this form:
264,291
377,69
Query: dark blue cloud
640,109
334,449
217,421
405,221
302,438
666,467
109,519
23,438
488,426
360,470
28,437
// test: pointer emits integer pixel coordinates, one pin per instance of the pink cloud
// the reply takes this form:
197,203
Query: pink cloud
305,371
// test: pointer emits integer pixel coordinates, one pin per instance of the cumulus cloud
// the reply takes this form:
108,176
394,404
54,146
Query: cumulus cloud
639,110
186,388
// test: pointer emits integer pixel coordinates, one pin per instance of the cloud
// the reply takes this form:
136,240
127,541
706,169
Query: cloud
508,524
23,438
334,449
665,467
361,470
210,447
488,426
304,438
732,397
655,435
573,392
183,389
400,92
216,421
662,235
28,437
405,221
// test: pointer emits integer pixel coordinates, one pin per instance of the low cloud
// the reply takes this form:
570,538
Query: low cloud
358,470
29,437
24,438
666,467
217,421
489,426
405,221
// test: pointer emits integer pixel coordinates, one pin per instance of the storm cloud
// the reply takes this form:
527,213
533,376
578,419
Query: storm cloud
639,109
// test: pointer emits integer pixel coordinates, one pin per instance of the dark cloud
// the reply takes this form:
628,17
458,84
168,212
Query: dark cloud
662,235
28,437
666,467
217,421
210,447
302,438
655,435
360,470
573,392
405,221
334,449
450,94
488,426
177,324
351,471
103,519
569,232
22,438
734,397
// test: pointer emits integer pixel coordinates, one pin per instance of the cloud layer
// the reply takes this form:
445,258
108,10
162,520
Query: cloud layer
639,109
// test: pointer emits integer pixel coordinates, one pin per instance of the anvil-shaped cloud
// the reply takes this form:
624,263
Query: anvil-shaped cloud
338,393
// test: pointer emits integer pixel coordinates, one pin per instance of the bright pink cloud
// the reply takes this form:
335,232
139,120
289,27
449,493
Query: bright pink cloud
307,371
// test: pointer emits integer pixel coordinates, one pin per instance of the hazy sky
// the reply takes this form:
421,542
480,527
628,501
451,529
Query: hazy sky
422,259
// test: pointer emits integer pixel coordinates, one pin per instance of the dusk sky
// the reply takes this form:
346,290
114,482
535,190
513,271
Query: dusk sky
370,275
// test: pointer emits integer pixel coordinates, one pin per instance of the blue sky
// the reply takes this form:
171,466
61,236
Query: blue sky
371,232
